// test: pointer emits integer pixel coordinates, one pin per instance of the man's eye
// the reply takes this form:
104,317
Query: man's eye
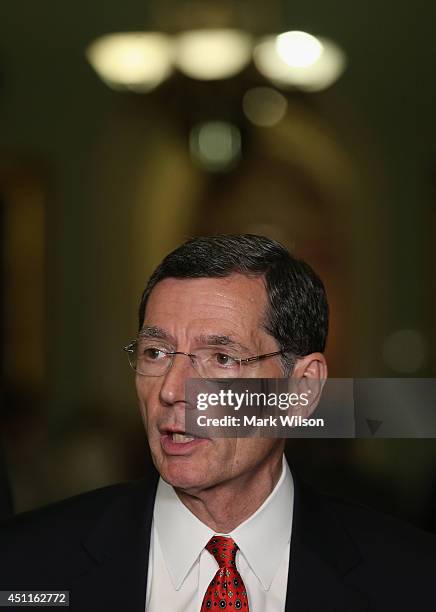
153,354
225,360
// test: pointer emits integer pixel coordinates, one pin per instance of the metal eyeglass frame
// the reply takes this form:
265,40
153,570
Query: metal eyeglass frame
129,349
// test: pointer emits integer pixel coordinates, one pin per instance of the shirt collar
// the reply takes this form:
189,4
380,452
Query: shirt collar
268,529
182,536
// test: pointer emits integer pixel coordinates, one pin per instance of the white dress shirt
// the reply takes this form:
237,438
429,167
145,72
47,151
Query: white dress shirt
180,568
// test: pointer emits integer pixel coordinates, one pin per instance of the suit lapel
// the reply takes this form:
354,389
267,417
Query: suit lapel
118,550
114,575
321,553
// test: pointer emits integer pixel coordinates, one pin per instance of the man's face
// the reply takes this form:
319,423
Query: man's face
187,312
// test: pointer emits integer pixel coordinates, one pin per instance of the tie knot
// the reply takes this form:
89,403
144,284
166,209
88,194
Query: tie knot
223,549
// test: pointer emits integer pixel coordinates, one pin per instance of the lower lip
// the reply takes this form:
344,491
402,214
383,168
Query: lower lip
177,448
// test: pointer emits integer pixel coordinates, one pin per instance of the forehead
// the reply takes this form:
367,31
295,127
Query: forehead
234,304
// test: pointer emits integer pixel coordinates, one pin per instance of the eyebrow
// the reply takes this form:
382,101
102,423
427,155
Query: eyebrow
153,331
221,340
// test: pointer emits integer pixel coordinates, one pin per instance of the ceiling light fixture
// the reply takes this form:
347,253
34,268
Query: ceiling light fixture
138,61
298,49
212,54
304,62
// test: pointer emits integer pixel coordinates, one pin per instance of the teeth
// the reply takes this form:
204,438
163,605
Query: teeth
181,438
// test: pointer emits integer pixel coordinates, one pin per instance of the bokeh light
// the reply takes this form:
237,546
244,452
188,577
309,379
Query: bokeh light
298,49
404,351
315,76
138,61
215,145
213,54
264,106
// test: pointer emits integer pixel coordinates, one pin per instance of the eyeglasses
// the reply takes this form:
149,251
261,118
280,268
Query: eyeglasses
149,359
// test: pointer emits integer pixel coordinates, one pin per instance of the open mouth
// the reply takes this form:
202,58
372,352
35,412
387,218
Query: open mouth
181,438
179,442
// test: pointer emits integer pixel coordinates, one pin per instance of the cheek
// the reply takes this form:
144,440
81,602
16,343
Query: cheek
250,451
145,393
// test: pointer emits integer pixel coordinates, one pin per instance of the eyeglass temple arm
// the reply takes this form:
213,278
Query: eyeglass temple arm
259,357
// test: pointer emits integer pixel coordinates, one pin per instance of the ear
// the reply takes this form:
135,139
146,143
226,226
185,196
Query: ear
311,366
308,376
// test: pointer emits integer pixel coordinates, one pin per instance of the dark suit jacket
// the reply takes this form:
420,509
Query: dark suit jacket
344,558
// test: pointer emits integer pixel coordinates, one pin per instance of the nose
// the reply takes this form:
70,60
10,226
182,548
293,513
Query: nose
172,390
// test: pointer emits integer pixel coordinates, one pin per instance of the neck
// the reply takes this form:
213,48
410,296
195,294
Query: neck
226,505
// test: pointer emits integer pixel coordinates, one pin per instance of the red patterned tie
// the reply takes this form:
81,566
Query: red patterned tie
227,589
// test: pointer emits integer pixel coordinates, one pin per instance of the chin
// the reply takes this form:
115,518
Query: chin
180,476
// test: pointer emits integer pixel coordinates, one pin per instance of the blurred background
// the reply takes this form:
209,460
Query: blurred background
127,127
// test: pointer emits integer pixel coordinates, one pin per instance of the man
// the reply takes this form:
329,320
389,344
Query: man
226,525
